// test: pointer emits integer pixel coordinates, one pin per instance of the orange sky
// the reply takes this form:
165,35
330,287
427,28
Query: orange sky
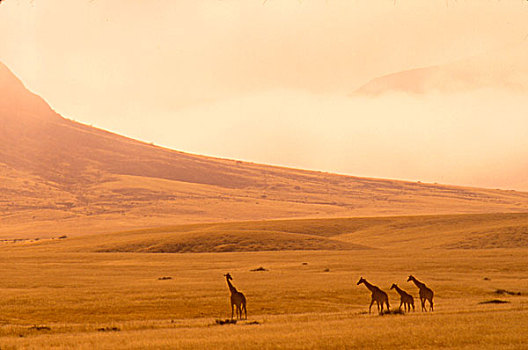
272,82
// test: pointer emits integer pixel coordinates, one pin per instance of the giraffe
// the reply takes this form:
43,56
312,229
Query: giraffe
377,296
425,292
406,299
237,298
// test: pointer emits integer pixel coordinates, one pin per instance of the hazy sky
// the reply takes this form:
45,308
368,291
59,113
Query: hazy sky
272,81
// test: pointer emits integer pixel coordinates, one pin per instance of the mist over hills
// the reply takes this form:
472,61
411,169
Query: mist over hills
60,176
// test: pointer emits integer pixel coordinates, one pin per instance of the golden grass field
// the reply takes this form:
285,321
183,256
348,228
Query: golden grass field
60,293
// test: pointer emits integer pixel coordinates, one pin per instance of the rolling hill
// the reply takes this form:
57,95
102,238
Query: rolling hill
58,176
384,233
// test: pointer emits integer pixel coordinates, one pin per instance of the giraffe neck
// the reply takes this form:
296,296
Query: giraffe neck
232,288
369,286
418,283
398,290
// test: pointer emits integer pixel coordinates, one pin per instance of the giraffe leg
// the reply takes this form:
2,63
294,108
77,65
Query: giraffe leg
371,302
431,303
422,300
401,302
245,310
232,310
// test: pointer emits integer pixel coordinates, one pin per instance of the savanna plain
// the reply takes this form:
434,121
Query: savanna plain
164,288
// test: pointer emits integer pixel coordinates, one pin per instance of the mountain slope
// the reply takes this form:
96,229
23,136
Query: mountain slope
57,175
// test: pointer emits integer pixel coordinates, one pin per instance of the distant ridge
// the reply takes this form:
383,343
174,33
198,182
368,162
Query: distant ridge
505,69
57,175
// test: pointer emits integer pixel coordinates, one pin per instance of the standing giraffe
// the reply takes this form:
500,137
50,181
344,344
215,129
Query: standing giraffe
425,293
406,299
237,298
377,296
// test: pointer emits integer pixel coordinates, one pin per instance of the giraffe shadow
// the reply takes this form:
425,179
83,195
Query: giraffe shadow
385,312
224,322
228,321
495,301
392,312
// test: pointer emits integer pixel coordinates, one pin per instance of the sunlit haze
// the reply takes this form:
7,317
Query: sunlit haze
277,82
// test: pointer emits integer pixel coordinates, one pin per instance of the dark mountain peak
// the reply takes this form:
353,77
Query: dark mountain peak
35,139
17,102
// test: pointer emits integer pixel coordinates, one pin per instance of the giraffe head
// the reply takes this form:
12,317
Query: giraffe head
411,278
393,286
228,276
361,280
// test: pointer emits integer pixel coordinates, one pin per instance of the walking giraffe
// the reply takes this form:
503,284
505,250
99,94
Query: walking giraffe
237,299
406,299
425,292
377,296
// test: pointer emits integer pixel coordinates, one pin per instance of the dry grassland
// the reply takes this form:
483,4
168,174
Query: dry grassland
306,299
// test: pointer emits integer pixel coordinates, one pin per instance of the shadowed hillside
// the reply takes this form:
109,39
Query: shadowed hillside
60,176
407,232
216,241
